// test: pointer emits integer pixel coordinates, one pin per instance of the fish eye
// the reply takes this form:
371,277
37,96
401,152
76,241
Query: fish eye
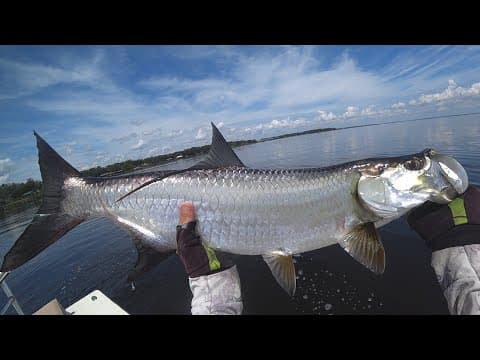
414,164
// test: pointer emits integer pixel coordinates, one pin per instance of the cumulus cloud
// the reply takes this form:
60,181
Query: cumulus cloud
324,115
398,105
6,167
156,131
220,125
201,134
175,133
138,145
351,111
277,124
369,111
453,91
124,139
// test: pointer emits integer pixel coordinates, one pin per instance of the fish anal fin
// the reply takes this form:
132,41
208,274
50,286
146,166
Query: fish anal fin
364,245
283,270
147,256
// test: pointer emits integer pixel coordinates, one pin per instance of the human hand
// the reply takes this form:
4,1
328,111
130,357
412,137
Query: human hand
454,224
198,258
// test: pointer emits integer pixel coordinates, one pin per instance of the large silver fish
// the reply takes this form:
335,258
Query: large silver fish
273,213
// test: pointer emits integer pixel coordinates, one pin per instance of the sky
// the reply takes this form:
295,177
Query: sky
97,105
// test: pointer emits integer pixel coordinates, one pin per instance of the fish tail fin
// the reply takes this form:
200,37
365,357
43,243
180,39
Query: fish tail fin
50,223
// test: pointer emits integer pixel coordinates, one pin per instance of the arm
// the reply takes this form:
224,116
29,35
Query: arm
217,294
458,273
453,233
214,281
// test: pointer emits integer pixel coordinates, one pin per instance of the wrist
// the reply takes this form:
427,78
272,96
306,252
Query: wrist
461,235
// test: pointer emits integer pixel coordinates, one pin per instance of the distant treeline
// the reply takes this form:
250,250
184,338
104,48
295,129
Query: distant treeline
15,191
130,165
298,134
16,197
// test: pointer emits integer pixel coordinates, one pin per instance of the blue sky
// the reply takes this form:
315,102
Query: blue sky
102,104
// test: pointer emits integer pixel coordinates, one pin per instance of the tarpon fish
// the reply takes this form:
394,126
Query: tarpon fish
275,213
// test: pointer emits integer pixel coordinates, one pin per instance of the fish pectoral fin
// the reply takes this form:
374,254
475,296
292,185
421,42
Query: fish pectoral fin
364,245
283,270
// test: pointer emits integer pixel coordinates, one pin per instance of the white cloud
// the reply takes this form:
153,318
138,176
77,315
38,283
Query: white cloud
21,78
398,105
324,115
138,145
6,167
124,139
201,134
351,111
453,91
274,125
369,111
220,125
175,133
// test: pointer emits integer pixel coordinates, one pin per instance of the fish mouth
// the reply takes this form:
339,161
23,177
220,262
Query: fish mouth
454,173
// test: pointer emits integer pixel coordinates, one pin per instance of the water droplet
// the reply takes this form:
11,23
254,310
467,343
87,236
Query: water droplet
381,304
343,299
369,299
300,272
304,278
328,306
369,306
338,290
305,297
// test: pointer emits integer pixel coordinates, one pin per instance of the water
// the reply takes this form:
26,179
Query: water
99,255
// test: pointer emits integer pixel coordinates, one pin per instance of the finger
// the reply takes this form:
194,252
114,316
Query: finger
187,212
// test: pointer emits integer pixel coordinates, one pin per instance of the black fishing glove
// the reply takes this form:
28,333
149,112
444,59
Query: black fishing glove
450,225
197,257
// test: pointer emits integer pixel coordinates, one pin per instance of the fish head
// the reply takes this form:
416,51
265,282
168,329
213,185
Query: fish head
392,186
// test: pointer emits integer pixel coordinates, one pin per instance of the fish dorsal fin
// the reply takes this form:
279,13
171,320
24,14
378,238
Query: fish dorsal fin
283,270
364,245
220,154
